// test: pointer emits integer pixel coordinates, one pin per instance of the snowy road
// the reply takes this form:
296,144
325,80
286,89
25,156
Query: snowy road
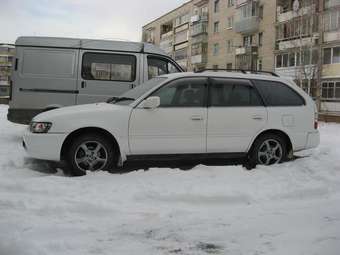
290,209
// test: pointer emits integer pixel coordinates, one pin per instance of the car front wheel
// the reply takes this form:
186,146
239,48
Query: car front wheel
91,152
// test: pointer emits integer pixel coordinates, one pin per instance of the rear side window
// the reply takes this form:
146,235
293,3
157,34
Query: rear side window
109,67
158,66
278,94
237,93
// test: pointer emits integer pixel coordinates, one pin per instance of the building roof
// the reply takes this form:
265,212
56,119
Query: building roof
74,43
169,12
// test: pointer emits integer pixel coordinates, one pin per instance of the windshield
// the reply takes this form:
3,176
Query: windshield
138,91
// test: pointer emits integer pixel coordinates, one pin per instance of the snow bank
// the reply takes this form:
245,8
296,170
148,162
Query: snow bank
293,208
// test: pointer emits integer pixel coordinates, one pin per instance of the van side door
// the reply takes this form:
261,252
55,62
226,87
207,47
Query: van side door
106,74
155,65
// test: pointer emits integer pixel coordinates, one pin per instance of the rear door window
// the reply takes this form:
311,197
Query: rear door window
278,94
158,66
109,67
233,93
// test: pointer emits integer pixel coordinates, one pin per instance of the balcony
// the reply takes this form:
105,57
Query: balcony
247,25
247,50
331,3
198,29
295,72
202,38
288,15
167,35
199,59
182,37
308,41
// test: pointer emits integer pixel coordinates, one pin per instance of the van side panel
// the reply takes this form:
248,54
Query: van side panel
45,78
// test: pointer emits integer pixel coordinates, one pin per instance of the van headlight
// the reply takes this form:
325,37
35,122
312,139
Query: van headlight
40,127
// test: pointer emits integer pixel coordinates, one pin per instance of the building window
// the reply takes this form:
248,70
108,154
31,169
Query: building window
330,90
230,3
247,40
180,20
229,66
216,6
261,12
260,39
215,67
216,49
230,22
229,46
216,26
331,55
259,64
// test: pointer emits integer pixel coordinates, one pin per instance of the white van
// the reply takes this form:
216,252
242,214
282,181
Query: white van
50,73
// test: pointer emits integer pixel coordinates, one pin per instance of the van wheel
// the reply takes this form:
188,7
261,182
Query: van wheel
91,152
268,149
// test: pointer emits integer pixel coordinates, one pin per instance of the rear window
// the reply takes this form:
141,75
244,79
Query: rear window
278,94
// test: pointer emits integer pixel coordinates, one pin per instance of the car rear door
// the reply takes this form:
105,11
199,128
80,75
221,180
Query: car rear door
177,126
235,115
106,74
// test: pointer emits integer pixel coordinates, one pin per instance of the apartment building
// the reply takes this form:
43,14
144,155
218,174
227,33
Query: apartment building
308,48
6,57
217,34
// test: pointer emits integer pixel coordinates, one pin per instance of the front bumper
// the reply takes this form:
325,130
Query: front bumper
313,140
43,146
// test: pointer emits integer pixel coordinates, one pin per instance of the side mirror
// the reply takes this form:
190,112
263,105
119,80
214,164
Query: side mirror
151,103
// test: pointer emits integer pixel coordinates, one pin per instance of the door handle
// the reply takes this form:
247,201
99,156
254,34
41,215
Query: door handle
257,117
83,84
197,117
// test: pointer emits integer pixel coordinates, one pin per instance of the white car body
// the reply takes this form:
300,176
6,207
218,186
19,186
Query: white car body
174,131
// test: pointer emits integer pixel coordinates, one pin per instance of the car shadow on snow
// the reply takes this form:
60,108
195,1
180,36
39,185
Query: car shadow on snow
50,167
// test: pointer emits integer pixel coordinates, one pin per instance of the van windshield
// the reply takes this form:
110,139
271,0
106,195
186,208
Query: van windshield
133,94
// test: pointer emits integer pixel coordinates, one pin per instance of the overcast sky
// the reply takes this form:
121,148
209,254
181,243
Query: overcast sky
102,19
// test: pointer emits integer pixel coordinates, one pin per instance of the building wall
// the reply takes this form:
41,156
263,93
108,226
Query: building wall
6,57
225,33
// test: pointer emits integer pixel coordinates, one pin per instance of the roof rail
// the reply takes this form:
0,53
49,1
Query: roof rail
244,71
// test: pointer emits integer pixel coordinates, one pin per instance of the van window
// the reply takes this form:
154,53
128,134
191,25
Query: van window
233,93
278,94
49,62
159,66
109,67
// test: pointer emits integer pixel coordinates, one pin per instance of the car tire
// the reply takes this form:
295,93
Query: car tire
91,152
268,149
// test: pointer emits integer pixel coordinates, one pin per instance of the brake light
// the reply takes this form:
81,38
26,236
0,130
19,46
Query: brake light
316,121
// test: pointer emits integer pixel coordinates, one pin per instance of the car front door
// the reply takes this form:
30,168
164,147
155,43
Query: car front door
104,75
177,126
235,115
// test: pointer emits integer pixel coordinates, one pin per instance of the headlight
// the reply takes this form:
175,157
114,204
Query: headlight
40,127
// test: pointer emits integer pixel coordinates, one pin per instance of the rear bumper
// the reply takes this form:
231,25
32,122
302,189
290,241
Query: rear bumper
43,146
313,140
22,116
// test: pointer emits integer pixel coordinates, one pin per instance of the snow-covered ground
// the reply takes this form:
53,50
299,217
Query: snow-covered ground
292,208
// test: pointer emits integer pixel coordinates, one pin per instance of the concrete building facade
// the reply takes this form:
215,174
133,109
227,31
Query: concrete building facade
217,34
6,59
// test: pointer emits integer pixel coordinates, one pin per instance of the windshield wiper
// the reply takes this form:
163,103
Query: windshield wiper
119,99
111,99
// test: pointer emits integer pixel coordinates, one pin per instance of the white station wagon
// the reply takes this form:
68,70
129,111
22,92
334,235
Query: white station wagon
263,118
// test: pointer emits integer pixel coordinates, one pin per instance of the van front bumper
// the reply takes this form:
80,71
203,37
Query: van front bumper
43,146
313,140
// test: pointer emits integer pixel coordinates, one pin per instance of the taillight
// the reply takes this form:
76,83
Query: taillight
316,121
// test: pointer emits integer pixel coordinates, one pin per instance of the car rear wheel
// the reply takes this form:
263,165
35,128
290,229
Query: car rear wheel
268,149
91,152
